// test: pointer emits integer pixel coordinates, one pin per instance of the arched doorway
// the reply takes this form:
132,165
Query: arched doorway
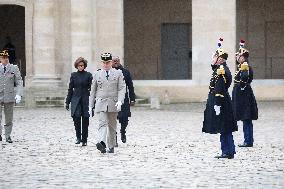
12,35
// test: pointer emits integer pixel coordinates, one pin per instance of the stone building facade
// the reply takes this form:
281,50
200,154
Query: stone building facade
166,44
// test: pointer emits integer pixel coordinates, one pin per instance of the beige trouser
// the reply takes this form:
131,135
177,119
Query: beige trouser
8,111
107,128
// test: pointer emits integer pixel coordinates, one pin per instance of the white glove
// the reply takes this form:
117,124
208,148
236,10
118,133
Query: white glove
217,109
90,111
18,98
118,105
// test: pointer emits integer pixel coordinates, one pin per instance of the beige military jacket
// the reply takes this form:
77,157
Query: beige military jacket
11,83
106,92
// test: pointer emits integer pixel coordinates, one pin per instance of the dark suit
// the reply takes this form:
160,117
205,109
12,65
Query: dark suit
78,95
129,97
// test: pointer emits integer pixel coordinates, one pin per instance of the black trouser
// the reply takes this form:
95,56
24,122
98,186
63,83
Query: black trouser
85,125
123,122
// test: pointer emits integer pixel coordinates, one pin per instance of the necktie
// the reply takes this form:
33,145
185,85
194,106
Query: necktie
4,69
107,75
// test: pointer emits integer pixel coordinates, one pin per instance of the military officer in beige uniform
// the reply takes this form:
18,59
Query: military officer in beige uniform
11,87
107,95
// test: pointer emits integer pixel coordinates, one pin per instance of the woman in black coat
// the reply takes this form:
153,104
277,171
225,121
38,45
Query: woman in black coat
244,103
78,96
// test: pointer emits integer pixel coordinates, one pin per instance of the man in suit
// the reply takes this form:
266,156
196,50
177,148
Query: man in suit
10,77
108,90
129,99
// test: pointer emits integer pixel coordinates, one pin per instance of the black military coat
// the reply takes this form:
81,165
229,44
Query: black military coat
129,95
218,95
79,92
244,103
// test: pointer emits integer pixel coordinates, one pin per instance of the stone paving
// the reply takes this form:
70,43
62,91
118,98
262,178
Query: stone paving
165,149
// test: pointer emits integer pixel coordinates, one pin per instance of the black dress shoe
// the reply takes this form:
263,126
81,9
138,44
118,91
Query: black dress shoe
245,145
0,138
228,156
84,144
78,141
9,140
101,147
123,137
110,150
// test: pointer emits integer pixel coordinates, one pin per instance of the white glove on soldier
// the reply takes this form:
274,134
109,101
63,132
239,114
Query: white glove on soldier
217,109
118,105
18,98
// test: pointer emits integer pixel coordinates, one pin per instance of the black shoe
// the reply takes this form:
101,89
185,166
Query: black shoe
228,156
0,138
101,147
78,141
245,145
9,140
84,144
123,137
110,150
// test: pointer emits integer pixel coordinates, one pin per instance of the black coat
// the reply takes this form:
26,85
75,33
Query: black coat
129,95
79,92
244,103
218,95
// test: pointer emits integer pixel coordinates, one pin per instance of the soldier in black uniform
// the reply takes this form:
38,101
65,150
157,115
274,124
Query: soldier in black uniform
244,103
129,99
218,115
78,95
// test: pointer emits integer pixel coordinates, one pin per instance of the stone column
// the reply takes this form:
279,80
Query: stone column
109,28
81,31
210,21
44,69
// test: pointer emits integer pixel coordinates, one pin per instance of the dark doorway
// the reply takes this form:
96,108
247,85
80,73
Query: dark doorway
175,51
13,27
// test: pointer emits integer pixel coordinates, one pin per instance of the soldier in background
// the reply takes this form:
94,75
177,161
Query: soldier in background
244,103
218,115
108,90
129,99
10,77
11,50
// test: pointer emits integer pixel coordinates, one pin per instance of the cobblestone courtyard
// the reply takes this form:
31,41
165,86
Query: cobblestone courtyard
165,149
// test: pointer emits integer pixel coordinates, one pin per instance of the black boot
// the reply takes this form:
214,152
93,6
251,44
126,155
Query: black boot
78,141
9,140
77,124
101,146
228,156
85,126
0,138
123,137
245,145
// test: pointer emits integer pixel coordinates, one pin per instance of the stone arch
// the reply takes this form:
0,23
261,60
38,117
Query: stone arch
28,12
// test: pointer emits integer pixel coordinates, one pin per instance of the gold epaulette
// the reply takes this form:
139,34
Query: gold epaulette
244,66
221,70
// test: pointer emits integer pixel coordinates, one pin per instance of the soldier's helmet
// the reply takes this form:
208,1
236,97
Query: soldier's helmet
242,50
220,52
106,56
4,53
